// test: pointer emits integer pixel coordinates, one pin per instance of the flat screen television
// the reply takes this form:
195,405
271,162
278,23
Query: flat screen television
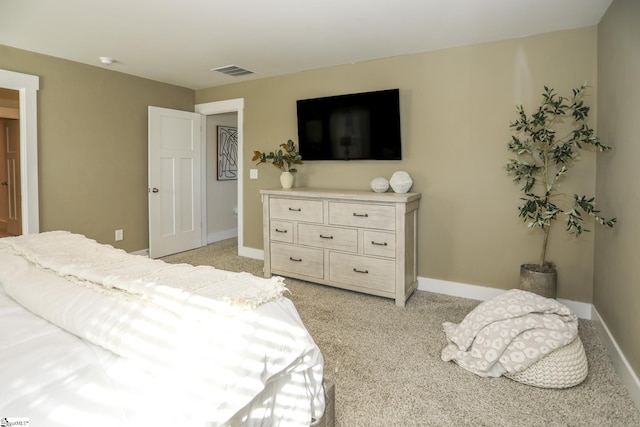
360,126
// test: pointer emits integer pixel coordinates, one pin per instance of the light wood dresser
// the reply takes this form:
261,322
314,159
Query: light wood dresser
357,240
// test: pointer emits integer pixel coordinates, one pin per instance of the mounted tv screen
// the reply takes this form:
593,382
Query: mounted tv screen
361,126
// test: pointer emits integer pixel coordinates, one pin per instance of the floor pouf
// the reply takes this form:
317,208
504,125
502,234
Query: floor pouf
562,368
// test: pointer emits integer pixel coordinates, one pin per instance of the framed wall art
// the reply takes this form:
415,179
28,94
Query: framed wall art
227,153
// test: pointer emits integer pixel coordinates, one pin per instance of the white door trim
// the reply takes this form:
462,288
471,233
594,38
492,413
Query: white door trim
231,106
28,87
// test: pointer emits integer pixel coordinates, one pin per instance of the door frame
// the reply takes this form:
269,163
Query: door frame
220,107
28,86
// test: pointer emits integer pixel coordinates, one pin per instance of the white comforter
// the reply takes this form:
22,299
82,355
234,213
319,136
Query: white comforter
115,359
186,290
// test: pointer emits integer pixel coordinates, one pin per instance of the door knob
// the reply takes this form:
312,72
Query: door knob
4,183
155,190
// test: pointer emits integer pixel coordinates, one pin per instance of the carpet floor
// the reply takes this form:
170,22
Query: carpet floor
385,362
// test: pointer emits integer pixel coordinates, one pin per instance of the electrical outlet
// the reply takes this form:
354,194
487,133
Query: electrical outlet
253,173
119,235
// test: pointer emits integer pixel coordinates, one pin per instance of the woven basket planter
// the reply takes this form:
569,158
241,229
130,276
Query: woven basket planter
562,368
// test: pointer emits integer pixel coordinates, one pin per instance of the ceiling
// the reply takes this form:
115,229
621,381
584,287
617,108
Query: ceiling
179,42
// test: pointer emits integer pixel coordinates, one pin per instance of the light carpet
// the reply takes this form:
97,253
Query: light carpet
385,362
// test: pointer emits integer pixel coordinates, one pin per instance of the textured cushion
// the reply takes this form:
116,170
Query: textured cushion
562,368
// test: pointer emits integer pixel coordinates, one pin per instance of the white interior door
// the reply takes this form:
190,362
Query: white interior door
175,193
4,180
12,156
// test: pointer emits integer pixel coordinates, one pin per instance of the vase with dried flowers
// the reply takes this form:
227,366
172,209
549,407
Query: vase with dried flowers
284,158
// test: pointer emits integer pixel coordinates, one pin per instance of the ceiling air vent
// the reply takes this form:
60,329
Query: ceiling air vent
233,70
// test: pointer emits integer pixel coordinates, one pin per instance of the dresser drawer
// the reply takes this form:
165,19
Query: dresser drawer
281,231
298,260
379,243
362,215
296,210
362,271
343,239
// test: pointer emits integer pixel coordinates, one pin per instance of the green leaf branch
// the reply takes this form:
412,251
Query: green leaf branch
284,158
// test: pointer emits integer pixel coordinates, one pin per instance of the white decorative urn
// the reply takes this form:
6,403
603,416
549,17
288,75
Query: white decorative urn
401,182
379,184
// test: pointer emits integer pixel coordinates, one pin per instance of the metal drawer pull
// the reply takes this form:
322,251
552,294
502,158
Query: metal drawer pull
373,242
326,237
283,231
360,271
295,259
362,215
295,210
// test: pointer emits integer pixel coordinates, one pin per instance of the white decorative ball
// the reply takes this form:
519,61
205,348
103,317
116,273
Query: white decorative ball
379,184
401,182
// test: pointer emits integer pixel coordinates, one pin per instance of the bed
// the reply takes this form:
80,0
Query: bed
91,335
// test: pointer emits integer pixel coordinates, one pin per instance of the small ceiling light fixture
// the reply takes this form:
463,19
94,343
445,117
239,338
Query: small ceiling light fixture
106,60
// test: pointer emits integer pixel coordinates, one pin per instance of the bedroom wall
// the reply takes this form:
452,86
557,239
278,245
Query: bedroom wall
616,284
456,105
92,145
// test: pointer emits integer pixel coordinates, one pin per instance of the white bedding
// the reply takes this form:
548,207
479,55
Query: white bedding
108,358
184,289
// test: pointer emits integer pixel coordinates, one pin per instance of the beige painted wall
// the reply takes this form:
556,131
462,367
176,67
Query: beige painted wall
456,105
617,271
92,145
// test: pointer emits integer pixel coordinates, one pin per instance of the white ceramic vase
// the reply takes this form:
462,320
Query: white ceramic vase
379,184
401,182
286,179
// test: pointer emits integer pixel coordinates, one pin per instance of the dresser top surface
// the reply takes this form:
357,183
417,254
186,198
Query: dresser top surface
343,194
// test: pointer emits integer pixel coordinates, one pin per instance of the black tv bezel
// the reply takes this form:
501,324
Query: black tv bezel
392,117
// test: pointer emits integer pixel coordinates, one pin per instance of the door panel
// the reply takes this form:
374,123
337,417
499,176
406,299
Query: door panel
12,144
175,194
4,179
167,199
186,181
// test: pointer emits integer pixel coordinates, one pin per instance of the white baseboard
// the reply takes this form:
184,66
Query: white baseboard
619,361
250,252
142,252
455,289
482,293
222,235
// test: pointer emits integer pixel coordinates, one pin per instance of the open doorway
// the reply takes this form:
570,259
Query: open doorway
222,176
237,106
212,200
10,192
27,86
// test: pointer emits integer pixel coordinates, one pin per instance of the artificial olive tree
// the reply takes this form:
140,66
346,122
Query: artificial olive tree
547,143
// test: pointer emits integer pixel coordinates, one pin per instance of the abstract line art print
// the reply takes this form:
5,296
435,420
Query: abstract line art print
227,153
